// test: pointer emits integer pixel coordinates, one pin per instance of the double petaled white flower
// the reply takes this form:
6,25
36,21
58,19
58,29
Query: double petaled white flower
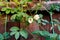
30,20
36,17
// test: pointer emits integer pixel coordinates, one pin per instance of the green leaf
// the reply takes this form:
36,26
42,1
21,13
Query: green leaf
41,16
36,32
53,35
7,11
6,35
14,28
17,35
12,33
19,17
48,38
13,17
59,28
24,34
52,7
58,37
45,33
12,11
41,33
55,20
39,21
57,8
4,9
1,37
45,21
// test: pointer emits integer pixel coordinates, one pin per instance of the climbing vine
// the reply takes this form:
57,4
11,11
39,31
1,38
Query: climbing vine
18,10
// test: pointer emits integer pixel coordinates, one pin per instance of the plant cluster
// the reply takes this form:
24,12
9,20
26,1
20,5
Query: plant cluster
20,15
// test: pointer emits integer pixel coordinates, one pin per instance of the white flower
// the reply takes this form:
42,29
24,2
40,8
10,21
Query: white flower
30,20
36,17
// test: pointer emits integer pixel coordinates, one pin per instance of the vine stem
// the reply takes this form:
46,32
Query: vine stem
50,18
5,23
6,18
52,23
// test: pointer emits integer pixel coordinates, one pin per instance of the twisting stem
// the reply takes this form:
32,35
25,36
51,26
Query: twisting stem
52,22
50,17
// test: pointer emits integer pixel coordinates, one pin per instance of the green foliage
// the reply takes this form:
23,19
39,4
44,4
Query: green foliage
53,35
17,35
1,37
59,27
15,31
7,10
4,36
58,38
39,21
55,7
36,32
44,22
24,33
12,33
14,28
55,21
46,34
4,9
20,17
41,33
41,16
52,7
13,17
